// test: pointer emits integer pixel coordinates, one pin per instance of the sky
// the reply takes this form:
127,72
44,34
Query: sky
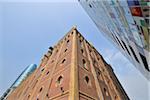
29,27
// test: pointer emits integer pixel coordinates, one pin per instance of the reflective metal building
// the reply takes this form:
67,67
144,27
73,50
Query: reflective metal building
126,24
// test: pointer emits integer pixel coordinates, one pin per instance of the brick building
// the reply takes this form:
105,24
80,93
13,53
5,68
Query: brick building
71,70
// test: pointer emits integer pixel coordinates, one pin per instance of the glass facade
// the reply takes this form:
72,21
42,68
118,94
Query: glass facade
126,24
24,75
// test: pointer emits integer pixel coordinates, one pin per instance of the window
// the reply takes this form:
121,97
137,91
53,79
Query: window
114,39
98,58
29,96
144,62
5,94
59,80
47,95
67,41
42,70
68,35
66,50
84,64
41,89
83,61
51,48
63,61
80,41
116,97
47,73
105,91
119,42
134,54
90,50
46,56
62,90
138,27
126,47
141,29
49,52
87,79
99,73
147,21
90,5
71,32
82,51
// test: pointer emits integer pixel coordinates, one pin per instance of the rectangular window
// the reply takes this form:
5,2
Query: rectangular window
115,39
119,43
144,61
134,54
126,47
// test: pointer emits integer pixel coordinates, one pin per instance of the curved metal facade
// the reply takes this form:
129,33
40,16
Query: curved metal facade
126,24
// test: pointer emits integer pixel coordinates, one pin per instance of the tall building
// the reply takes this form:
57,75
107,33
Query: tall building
26,72
29,70
71,70
126,24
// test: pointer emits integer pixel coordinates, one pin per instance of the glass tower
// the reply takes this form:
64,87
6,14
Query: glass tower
26,72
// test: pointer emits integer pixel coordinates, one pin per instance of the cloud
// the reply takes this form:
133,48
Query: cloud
136,86
118,61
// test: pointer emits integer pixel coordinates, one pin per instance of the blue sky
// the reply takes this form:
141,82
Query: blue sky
28,28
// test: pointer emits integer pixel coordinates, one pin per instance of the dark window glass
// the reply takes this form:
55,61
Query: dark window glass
105,91
66,50
47,73
144,61
42,70
40,89
67,41
82,51
119,43
134,54
47,95
84,63
126,48
90,5
87,79
63,61
59,80
147,21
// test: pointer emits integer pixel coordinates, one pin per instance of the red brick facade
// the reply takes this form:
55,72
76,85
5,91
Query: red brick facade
74,70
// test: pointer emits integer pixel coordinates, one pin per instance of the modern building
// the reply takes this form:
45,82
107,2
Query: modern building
71,70
126,24
26,72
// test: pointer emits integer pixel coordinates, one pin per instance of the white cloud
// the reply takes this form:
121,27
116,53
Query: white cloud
131,79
